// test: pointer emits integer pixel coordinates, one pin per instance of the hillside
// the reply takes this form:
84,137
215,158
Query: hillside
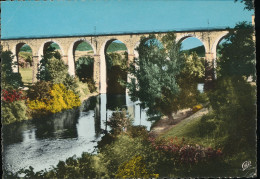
200,50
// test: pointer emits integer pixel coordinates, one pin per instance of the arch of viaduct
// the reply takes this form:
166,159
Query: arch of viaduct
210,39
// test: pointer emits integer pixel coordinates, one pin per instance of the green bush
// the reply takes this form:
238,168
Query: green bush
8,77
40,90
119,122
124,148
84,68
138,131
234,103
12,112
134,168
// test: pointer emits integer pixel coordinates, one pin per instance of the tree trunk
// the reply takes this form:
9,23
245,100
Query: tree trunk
170,117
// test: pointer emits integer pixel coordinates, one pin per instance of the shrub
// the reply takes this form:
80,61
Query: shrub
197,108
138,131
40,90
119,122
60,99
13,111
124,148
12,95
91,85
83,167
134,168
234,103
84,68
184,154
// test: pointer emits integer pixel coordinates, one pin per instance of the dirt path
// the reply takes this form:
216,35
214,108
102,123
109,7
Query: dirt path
165,124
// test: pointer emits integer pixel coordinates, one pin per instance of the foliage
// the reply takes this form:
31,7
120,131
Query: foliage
134,168
25,48
13,111
162,63
200,51
138,131
84,46
197,108
114,46
116,59
84,68
123,149
194,68
249,4
183,154
238,52
8,77
53,69
82,89
25,57
40,90
12,95
83,167
119,122
59,98
234,103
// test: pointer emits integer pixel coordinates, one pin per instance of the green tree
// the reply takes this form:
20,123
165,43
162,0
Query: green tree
8,77
238,52
84,68
249,4
165,80
234,103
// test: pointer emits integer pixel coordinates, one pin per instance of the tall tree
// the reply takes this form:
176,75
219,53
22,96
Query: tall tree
238,52
249,4
161,81
8,77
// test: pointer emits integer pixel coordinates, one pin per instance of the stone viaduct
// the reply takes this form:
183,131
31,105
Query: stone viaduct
209,38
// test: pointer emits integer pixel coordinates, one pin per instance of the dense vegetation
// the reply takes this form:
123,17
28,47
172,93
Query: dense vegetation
55,91
200,51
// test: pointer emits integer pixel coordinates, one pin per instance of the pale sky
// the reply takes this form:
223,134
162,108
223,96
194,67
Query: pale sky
71,18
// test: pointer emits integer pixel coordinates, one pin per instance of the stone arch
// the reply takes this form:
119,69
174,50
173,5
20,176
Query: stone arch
71,53
16,49
45,45
216,43
185,36
103,69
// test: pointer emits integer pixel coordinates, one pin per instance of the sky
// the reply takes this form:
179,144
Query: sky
82,17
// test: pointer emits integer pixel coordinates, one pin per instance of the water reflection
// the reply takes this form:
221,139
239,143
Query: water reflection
65,134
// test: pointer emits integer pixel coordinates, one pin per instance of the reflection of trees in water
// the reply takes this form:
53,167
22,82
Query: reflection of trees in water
13,133
60,125
97,117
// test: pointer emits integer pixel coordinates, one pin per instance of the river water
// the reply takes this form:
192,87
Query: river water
42,142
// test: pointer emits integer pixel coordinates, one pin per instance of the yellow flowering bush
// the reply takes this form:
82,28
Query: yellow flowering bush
135,168
60,99
197,108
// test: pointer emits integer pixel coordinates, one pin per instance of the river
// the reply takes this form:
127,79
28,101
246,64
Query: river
42,142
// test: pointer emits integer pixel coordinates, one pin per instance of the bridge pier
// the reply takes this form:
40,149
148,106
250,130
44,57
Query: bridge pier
96,72
34,68
209,71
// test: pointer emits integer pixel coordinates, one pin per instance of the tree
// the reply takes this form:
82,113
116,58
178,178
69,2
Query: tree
154,79
53,69
8,77
238,52
84,68
249,5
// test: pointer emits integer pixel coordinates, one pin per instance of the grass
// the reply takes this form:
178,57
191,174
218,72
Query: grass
189,128
230,165
26,74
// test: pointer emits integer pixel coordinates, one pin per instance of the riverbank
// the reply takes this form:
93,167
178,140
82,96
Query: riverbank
183,116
